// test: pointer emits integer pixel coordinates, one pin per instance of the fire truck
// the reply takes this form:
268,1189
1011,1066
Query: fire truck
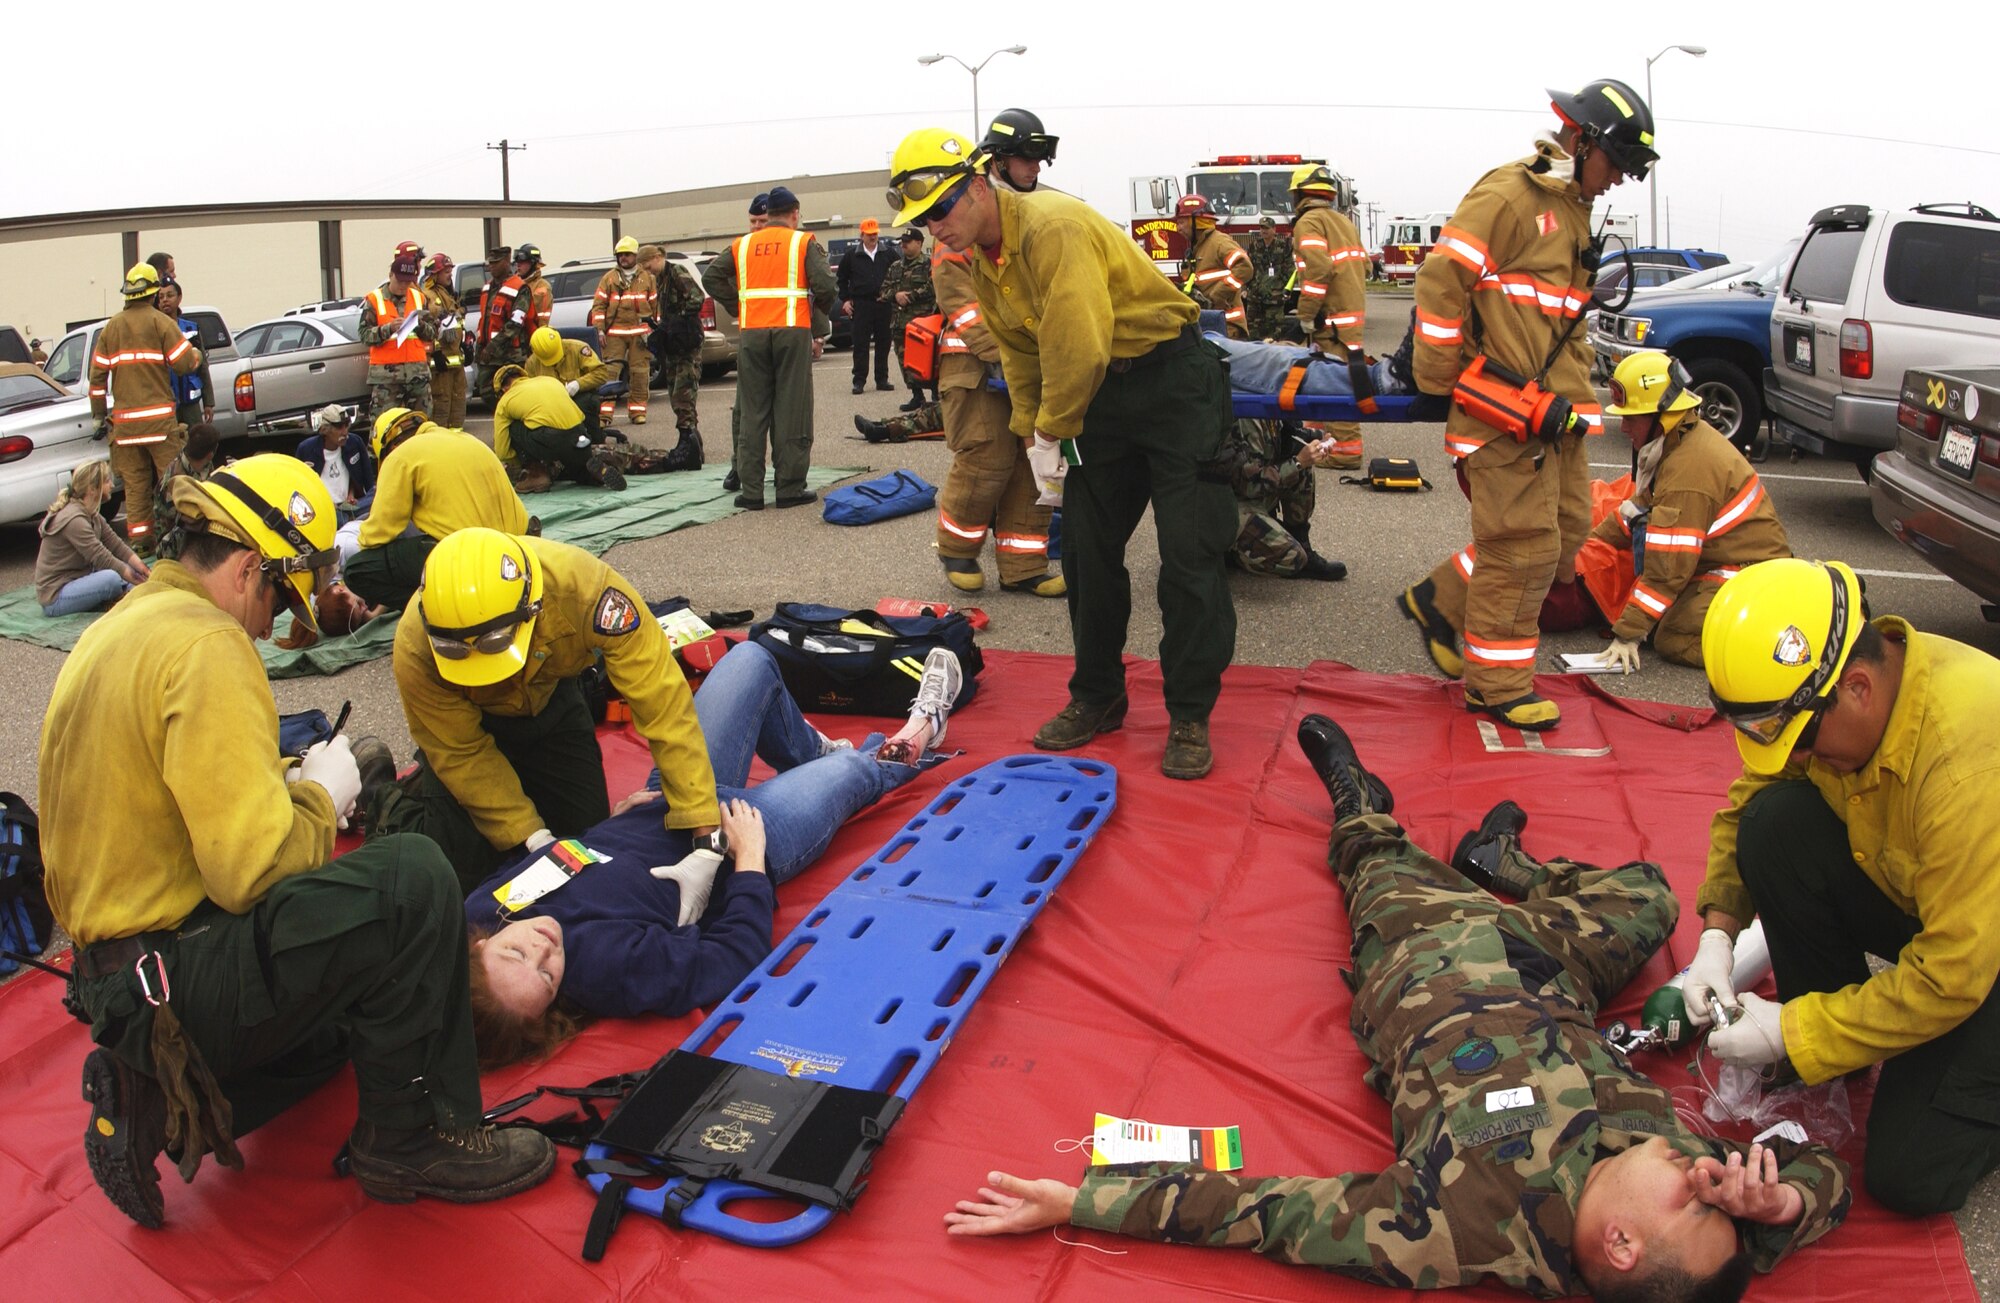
1406,240
1245,188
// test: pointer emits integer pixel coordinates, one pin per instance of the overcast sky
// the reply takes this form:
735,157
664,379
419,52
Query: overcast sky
1792,109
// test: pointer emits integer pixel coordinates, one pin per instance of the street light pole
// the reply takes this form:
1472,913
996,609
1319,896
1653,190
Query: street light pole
929,59
1653,173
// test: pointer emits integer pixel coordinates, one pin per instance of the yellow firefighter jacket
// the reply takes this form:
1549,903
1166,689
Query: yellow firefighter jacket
1710,516
1067,294
587,609
1219,269
441,481
620,311
1333,274
161,783
579,362
1504,280
139,352
1922,823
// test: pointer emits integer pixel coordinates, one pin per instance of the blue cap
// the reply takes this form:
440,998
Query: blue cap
782,200
760,205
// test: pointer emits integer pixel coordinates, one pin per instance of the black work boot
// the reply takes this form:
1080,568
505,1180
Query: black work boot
471,1165
1188,755
1483,854
730,482
878,431
687,454
1400,360
127,1131
604,468
1331,754
1319,567
1077,723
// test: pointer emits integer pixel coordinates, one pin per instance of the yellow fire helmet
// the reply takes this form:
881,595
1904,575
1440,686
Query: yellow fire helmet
392,427
546,345
142,281
1650,382
482,591
626,245
1774,644
278,505
927,166
1312,176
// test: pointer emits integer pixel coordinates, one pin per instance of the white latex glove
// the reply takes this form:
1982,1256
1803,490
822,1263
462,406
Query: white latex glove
539,838
1756,1039
1709,975
1622,655
571,387
331,765
696,876
1046,464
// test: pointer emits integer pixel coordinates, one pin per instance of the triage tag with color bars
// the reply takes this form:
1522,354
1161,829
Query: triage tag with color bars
1125,1140
557,864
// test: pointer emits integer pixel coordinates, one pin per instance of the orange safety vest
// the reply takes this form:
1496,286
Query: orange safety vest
387,316
771,290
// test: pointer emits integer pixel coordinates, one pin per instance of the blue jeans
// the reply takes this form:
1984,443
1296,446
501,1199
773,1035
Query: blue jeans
745,711
98,589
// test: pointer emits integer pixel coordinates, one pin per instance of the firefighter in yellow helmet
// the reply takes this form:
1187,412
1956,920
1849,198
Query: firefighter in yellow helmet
448,352
1698,513
1333,288
1121,404
1215,269
1864,824
487,659
210,857
580,369
626,305
429,482
132,370
1500,357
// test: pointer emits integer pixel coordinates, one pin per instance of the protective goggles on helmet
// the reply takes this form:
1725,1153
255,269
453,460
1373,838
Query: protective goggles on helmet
914,187
1039,149
488,637
1765,722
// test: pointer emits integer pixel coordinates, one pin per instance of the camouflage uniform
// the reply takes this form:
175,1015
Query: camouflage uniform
911,272
403,384
1274,497
447,354
680,373
1264,296
1459,995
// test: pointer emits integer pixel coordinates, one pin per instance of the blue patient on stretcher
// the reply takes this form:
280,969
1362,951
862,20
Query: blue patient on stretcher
1257,368
654,928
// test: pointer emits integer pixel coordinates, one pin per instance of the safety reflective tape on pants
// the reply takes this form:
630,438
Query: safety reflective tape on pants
1500,653
950,526
1464,561
1020,542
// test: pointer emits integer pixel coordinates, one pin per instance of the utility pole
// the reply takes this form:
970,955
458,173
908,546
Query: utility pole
1371,209
506,188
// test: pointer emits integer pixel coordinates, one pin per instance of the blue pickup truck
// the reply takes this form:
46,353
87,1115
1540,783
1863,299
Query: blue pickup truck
1721,332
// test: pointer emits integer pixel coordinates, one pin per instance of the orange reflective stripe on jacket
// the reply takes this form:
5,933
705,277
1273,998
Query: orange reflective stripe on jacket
389,316
771,279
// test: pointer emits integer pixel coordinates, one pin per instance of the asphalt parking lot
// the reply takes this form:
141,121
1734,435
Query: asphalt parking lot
1387,540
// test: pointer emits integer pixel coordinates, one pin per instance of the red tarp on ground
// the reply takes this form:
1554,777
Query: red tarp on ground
1185,973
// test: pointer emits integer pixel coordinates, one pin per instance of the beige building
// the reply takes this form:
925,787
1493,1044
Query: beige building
693,220
255,261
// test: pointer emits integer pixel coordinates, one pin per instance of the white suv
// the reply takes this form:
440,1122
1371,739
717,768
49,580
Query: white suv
1871,294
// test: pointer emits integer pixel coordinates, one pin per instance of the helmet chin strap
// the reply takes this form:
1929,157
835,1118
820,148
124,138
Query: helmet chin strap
1000,175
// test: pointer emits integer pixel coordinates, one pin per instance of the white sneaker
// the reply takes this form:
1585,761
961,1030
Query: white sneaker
936,692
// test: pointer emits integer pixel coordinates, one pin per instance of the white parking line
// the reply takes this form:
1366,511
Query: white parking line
1905,574
1762,475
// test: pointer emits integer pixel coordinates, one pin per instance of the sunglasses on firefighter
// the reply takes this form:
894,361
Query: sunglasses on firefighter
1766,721
1039,149
488,637
915,187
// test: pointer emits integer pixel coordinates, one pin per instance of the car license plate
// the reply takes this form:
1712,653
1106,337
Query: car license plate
1959,450
1799,348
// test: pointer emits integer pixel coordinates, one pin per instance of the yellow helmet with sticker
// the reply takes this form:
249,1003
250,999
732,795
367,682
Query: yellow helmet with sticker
546,344
1648,382
1775,641
392,427
626,245
928,165
279,506
482,591
1313,176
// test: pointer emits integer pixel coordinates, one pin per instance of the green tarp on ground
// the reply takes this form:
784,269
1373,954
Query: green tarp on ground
597,519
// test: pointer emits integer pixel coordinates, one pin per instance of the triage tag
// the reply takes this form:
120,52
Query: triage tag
683,627
551,869
1124,1140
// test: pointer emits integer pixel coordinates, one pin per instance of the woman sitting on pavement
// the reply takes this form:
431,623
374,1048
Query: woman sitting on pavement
620,938
83,564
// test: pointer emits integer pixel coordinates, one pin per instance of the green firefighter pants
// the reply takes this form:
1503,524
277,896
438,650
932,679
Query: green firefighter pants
1934,1128
389,575
564,452
774,397
1145,437
361,961
554,754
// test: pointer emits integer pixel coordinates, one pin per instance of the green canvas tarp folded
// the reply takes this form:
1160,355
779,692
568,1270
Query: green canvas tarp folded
597,519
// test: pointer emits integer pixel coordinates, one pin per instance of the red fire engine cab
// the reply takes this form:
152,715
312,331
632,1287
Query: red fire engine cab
1245,188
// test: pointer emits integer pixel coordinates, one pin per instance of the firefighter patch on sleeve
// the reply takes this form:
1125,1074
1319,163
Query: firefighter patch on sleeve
615,614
